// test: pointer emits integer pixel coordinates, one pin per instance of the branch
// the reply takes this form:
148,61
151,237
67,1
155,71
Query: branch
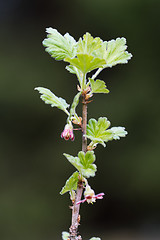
76,207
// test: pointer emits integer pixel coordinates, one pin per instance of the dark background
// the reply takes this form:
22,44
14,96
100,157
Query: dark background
32,167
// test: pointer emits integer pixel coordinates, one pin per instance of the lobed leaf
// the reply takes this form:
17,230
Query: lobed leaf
71,69
118,132
96,131
98,86
101,51
58,46
71,183
83,163
88,169
85,63
116,52
49,98
89,44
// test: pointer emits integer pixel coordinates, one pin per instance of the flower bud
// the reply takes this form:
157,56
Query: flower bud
68,132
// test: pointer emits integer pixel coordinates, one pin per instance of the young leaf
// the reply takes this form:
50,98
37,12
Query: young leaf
116,53
83,163
85,63
71,69
73,160
71,183
96,131
98,86
95,238
49,98
89,44
117,132
101,51
88,169
58,46
65,235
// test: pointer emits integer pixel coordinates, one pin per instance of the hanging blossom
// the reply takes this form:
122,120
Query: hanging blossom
68,132
90,196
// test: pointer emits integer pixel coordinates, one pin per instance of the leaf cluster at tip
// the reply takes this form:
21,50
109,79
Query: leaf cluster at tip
88,53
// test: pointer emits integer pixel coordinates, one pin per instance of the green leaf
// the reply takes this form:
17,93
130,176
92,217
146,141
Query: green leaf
116,53
71,183
101,51
89,44
74,161
58,46
86,63
65,235
49,98
96,131
71,69
98,86
74,70
95,238
83,163
117,132
88,169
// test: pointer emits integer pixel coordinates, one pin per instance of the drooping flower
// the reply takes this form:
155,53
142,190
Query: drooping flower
90,196
68,132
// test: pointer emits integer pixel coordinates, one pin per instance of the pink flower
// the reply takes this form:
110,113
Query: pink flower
90,196
68,132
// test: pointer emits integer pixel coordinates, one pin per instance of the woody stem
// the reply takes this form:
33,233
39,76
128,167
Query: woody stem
76,207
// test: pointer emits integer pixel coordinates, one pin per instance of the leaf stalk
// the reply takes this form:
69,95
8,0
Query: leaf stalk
96,73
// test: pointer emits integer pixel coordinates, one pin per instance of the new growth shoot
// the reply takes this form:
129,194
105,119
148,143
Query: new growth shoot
82,57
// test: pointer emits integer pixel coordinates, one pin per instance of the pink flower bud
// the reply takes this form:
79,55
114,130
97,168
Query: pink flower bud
68,132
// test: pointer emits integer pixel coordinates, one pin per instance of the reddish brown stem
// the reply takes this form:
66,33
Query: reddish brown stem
76,207
84,124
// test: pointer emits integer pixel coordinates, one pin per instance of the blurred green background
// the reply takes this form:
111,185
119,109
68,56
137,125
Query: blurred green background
32,167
